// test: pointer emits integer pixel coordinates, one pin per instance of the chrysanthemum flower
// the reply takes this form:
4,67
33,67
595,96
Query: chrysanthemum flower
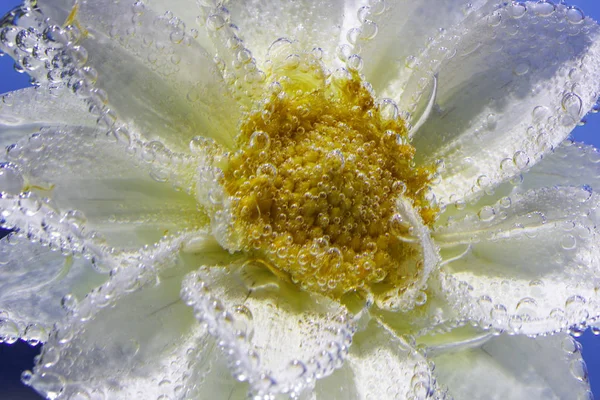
313,199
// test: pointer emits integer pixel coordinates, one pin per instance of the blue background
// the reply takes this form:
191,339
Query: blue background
18,357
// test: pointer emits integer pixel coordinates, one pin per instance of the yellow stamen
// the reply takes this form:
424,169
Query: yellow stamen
314,185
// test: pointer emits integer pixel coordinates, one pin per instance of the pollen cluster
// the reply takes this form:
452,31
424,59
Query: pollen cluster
314,185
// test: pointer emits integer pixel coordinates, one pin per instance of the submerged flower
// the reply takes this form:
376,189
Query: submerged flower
316,200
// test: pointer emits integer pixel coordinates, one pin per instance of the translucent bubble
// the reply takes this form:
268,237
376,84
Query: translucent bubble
35,334
517,10
494,19
572,104
215,22
177,36
520,159
568,242
267,170
388,109
355,63
9,331
486,213
540,114
369,30
579,370
259,140
574,15
521,69
544,8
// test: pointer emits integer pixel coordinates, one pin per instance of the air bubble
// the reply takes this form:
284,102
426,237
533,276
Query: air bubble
177,36
521,160
259,140
574,15
517,10
572,104
579,370
540,113
486,214
388,109
544,8
355,63
494,19
521,69
267,170
280,47
369,30
568,242
215,22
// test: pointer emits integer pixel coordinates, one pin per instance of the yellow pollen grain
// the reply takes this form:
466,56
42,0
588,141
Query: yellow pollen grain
315,183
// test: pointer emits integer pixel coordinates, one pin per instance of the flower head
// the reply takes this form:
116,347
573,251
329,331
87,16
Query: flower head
300,199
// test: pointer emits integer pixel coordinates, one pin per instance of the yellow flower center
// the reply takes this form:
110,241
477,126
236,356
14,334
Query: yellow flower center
314,186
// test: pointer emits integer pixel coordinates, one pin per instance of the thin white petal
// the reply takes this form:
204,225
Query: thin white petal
132,66
574,164
516,367
314,24
33,282
404,29
387,367
509,90
276,337
82,181
527,264
25,111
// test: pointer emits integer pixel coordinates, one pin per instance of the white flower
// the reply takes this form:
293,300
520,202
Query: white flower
316,200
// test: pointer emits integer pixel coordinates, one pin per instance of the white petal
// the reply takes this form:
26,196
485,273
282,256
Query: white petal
25,111
276,337
528,263
508,91
387,367
574,164
314,24
33,283
134,68
83,181
516,367
132,337
403,29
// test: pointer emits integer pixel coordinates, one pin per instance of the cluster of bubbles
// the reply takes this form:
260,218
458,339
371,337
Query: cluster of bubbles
67,349
357,36
234,60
